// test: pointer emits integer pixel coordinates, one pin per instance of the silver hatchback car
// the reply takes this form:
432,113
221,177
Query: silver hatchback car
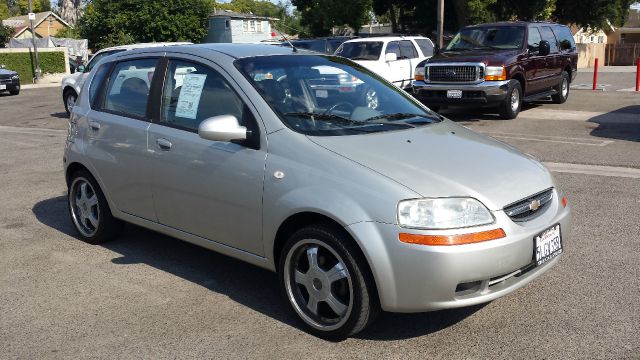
357,195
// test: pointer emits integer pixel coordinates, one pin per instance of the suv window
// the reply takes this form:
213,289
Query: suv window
97,84
128,90
547,35
533,43
193,93
360,50
425,46
393,48
565,40
407,50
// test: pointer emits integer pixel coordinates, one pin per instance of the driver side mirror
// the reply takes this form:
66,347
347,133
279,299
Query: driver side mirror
80,68
222,128
545,49
390,57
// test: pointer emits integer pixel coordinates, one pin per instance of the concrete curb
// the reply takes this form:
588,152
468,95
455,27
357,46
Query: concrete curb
39,86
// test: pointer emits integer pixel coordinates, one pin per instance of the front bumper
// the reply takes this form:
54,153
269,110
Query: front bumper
483,93
416,278
9,85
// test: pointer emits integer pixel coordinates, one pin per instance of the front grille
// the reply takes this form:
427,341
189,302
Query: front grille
453,73
528,208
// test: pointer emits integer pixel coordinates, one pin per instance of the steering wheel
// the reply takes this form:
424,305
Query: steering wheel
337,105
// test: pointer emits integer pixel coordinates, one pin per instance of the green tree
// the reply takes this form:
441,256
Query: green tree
6,32
594,14
107,23
319,16
4,10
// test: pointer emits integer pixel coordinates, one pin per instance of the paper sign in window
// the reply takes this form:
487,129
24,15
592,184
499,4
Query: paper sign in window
190,94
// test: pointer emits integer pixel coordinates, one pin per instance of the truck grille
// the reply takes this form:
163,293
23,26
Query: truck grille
453,73
525,209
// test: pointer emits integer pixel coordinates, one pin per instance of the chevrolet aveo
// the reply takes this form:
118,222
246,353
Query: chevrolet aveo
276,157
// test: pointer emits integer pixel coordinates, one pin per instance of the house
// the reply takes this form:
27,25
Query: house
629,33
588,36
46,24
225,26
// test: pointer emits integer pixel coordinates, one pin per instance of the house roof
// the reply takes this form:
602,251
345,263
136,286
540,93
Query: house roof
21,23
236,15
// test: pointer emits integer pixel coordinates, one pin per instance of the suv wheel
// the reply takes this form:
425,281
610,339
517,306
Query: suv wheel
327,283
510,107
562,90
69,98
89,210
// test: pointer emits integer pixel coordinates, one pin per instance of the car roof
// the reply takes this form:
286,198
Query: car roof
235,50
144,45
387,38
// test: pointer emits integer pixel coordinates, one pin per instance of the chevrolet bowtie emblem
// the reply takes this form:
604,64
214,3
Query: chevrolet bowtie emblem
535,205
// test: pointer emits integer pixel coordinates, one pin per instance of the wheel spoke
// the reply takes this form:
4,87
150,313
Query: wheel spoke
336,273
312,304
312,256
92,201
336,305
92,219
301,278
83,192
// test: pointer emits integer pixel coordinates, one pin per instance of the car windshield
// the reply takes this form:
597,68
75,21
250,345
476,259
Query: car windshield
488,37
360,50
331,96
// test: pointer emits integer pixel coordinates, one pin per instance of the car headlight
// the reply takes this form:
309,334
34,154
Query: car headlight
493,73
15,77
443,213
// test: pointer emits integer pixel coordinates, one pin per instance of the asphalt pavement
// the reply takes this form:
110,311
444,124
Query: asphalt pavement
146,295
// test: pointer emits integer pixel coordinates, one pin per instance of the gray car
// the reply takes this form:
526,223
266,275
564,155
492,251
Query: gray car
358,209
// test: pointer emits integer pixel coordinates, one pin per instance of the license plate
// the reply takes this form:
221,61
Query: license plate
3,87
454,94
547,245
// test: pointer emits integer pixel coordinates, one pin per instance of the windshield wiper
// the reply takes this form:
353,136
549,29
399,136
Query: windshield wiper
399,116
342,120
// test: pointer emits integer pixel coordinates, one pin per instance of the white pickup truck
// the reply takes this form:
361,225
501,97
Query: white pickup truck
393,57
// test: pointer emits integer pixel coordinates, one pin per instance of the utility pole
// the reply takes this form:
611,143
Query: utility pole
33,38
440,22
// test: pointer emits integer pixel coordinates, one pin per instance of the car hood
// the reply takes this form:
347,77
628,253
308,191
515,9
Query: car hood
445,160
5,72
489,57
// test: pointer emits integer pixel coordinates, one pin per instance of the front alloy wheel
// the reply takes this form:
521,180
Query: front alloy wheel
324,283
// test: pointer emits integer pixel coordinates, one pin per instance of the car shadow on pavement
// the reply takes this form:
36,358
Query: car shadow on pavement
249,285
620,124
461,114
60,115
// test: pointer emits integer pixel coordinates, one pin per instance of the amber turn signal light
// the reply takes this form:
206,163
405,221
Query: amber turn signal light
457,239
419,77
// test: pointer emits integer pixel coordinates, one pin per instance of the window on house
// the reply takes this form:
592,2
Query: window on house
245,25
227,24
259,26
252,26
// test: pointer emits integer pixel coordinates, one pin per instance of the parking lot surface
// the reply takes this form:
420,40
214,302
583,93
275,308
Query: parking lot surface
146,295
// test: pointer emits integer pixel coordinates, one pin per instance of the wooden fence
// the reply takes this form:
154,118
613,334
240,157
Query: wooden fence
622,54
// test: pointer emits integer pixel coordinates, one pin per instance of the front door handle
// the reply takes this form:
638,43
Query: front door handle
164,144
94,125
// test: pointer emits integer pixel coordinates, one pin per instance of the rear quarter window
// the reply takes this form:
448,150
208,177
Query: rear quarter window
97,83
565,39
425,46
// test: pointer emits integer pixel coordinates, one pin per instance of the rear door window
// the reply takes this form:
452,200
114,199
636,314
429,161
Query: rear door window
565,39
533,43
407,50
547,35
97,84
128,90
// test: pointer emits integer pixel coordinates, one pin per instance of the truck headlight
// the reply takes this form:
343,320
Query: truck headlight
15,77
443,213
493,73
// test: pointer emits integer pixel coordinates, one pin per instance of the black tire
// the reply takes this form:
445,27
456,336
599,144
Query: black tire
362,304
65,98
508,109
562,89
15,92
107,226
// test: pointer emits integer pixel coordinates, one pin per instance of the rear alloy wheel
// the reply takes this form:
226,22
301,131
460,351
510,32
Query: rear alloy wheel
89,210
510,107
326,283
562,90
70,98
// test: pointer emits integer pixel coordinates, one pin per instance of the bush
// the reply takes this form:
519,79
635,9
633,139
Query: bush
23,63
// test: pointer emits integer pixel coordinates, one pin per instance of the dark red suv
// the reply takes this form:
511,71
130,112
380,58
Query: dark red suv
500,65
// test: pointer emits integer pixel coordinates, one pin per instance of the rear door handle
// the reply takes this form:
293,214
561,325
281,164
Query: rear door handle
164,144
94,125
